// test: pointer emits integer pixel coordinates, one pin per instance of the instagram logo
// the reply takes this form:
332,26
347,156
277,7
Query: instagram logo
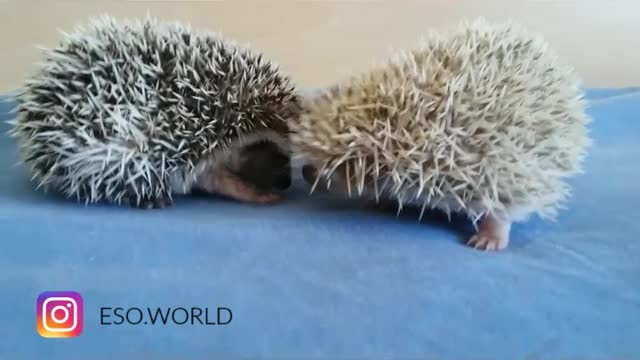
59,314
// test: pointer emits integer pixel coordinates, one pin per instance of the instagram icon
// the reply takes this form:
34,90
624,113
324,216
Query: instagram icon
59,314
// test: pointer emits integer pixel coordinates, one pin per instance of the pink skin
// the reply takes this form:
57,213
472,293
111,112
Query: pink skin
493,234
225,183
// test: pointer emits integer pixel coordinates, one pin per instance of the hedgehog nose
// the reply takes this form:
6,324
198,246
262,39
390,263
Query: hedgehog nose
309,173
283,182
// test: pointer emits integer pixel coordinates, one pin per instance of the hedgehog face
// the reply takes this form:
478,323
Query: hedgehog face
335,139
334,182
263,164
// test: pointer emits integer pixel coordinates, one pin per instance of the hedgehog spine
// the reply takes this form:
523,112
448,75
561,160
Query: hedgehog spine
484,119
119,109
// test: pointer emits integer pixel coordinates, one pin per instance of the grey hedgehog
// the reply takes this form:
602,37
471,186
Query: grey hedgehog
483,120
137,111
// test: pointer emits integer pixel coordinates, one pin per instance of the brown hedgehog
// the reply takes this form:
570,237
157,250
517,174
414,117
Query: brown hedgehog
484,120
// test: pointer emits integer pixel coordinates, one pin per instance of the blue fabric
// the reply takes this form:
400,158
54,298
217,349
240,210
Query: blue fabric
320,278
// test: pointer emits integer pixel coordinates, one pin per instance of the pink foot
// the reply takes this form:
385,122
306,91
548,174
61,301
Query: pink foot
493,234
227,184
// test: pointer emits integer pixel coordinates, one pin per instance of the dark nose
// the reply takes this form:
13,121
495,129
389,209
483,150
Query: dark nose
309,173
283,182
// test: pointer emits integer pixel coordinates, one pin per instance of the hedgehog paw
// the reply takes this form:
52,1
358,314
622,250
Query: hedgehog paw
152,203
493,234
487,242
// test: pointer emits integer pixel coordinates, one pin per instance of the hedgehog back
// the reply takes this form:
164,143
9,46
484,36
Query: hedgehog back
157,95
479,119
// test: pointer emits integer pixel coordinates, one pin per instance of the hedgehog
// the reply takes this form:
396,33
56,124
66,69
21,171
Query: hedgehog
484,121
138,111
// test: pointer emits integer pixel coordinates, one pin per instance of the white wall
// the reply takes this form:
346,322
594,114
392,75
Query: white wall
320,41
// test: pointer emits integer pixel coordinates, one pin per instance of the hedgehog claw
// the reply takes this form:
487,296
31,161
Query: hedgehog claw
492,235
486,243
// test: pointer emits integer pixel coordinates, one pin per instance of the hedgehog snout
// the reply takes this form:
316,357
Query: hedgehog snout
309,173
282,181
322,182
264,165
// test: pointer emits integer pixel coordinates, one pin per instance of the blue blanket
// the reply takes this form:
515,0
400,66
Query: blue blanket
315,277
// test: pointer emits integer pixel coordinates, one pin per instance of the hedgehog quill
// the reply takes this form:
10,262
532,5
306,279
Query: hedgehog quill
137,111
484,120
